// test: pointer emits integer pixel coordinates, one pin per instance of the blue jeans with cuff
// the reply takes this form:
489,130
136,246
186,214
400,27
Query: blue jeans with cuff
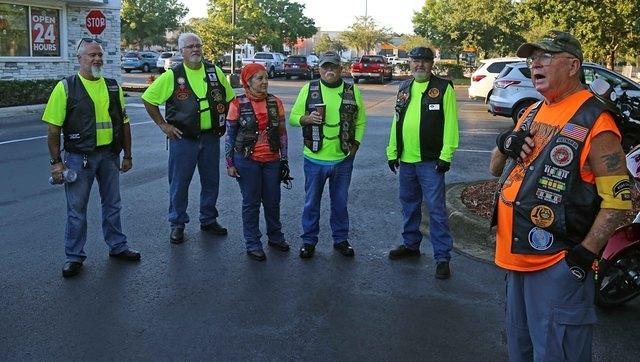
103,166
420,181
184,155
259,184
316,175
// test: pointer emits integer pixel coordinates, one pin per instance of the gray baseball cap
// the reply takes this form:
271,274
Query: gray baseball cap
329,57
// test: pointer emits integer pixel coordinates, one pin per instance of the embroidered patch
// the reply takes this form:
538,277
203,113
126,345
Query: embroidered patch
542,216
556,172
182,93
548,196
574,131
180,80
221,120
551,184
220,108
561,155
540,239
568,141
434,92
434,107
620,187
315,95
212,77
217,96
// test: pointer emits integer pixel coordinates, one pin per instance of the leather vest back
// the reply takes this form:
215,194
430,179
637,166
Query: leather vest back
431,116
80,126
248,131
183,107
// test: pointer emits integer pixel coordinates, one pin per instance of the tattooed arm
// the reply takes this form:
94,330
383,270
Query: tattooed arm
606,158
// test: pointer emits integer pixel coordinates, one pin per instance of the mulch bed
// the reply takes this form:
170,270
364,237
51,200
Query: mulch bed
478,198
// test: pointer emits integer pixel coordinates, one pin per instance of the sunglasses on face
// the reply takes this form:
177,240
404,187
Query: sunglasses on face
88,40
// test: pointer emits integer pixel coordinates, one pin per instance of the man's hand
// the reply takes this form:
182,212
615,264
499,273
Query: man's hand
56,172
442,166
393,165
127,164
171,131
580,259
516,144
233,172
310,119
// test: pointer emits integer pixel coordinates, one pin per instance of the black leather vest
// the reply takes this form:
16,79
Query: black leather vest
431,116
79,126
554,209
313,134
248,131
183,107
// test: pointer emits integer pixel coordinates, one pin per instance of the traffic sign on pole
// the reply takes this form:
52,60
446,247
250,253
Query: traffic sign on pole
96,22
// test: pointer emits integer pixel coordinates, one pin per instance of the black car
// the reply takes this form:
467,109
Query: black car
301,66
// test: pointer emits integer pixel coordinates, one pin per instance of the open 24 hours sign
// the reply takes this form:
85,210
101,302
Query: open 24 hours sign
45,32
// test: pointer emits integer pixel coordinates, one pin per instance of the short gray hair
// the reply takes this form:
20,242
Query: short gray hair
82,43
182,39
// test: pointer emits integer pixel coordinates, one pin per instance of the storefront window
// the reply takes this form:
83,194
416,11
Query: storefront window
14,30
29,31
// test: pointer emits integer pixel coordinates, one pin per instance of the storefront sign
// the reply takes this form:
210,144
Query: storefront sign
45,32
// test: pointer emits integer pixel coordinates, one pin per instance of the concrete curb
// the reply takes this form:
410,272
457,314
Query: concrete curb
9,112
471,234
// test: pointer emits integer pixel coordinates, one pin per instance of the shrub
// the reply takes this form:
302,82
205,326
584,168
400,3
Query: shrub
25,92
450,71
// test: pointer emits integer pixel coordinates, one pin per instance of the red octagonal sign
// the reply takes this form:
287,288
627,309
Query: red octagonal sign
96,22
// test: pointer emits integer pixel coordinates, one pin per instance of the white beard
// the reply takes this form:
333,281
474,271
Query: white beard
420,76
96,71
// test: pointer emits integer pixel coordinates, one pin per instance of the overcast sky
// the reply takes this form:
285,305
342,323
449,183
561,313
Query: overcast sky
339,14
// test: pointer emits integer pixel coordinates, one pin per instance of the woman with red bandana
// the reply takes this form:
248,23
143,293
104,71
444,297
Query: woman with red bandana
255,151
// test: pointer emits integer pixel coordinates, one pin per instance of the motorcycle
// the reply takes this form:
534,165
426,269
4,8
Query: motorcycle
617,271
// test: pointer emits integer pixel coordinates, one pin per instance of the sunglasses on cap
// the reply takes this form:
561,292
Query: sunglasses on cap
88,40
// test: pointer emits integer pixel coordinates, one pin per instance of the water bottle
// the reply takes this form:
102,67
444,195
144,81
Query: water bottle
68,176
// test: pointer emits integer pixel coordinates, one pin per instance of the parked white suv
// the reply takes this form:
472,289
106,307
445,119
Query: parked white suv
482,79
514,92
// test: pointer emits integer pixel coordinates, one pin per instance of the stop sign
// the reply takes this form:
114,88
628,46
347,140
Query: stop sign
96,22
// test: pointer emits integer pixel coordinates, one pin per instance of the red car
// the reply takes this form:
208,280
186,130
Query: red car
372,67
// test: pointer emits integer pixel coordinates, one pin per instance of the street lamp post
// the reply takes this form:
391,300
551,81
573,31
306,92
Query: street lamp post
234,80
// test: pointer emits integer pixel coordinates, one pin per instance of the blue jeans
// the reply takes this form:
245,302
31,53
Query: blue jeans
549,315
315,176
259,183
102,165
417,181
184,155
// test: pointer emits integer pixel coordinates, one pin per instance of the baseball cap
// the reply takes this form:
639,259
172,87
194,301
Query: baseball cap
554,41
329,57
421,53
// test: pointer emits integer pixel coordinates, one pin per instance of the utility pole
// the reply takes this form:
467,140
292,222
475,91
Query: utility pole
233,39
366,5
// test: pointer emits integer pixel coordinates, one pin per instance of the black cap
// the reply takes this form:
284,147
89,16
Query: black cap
421,53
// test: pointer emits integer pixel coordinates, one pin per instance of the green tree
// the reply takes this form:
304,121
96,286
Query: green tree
365,33
453,25
325,44
144,22
605,28
409,42
260,22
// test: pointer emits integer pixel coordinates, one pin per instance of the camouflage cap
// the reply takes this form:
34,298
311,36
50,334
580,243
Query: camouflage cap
329,57
554,41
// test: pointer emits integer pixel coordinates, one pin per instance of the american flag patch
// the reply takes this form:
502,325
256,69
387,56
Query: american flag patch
575,132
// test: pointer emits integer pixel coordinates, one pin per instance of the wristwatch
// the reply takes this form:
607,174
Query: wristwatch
53,161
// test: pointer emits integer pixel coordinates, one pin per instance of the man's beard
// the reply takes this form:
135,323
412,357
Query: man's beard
420,75
96,71
195,58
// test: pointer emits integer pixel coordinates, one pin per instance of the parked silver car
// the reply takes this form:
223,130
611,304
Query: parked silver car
513,90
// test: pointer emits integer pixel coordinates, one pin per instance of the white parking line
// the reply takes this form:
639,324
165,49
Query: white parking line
467,150
41,137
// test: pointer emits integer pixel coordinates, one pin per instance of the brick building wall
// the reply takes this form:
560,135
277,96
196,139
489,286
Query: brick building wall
72,28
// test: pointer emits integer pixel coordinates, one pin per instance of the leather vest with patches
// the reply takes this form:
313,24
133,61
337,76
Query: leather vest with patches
248,131
80,125
183,107
554,209
313,134
431,116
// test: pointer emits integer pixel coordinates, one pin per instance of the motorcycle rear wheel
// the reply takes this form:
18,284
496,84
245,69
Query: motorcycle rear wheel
613,284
